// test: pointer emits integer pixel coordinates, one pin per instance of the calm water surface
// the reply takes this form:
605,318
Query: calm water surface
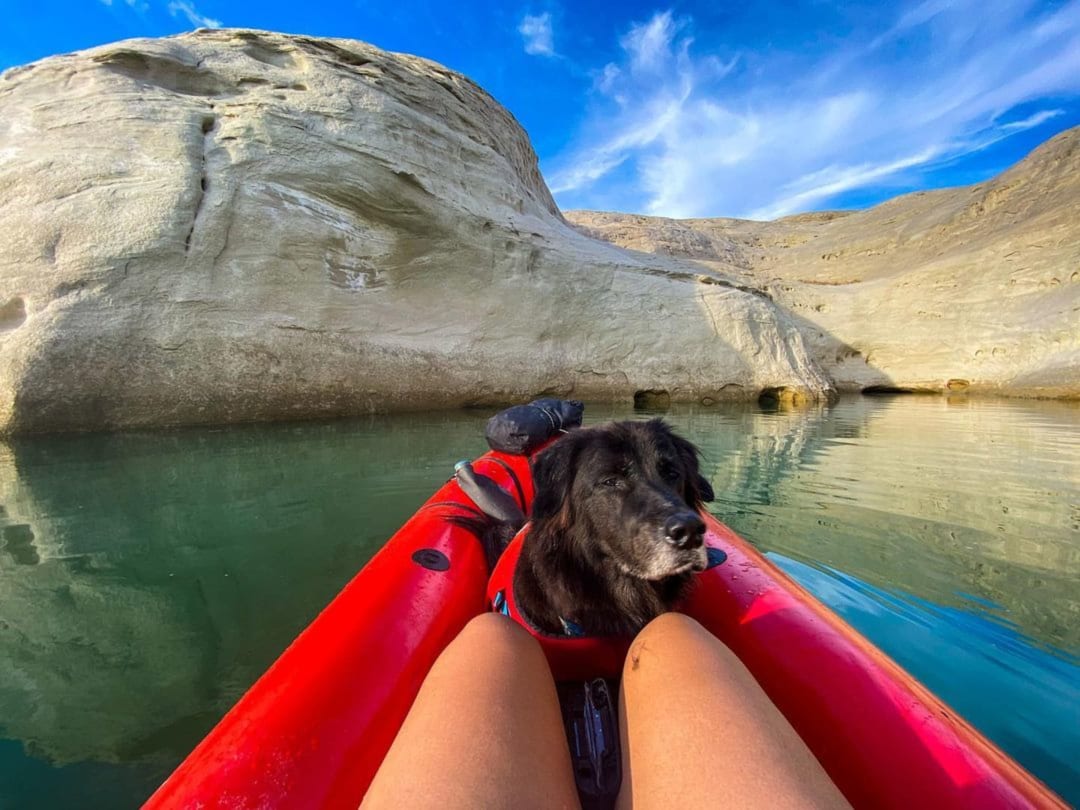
146,580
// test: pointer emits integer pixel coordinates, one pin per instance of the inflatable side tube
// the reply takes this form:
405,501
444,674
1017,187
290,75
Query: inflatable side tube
312,731
885,739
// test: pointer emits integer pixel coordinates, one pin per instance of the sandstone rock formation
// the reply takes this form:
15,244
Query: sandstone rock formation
235,225
966,289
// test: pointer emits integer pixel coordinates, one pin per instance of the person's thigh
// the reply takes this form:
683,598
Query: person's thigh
485,730
698,731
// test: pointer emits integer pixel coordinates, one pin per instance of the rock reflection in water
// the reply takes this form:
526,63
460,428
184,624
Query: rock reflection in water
945,500
172,568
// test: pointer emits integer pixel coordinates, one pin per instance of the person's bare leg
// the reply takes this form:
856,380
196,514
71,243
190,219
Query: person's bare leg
698,731
485,730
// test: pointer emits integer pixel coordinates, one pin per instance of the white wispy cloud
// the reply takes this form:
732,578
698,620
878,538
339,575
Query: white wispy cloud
911,18
608,156
1032,120
649,44
186,9
811,189
537,33
138,5
765,134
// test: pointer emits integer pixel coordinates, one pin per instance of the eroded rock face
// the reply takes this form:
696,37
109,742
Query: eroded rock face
968,289
235,225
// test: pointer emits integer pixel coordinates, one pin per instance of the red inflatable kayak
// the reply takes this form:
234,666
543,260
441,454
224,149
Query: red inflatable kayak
312,731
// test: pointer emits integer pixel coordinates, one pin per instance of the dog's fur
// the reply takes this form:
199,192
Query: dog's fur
616,534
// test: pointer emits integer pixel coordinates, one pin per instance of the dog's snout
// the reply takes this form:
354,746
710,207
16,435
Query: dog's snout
684,530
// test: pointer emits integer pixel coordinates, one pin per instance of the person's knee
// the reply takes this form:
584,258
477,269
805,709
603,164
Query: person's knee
671,622
496,634
670,628
497,649
670,638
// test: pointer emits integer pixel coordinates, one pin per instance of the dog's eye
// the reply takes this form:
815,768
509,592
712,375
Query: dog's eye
669,472
612,482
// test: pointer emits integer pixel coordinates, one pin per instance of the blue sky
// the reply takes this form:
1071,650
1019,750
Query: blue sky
753,109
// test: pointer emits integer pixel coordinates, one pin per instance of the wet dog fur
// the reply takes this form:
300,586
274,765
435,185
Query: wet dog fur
616,535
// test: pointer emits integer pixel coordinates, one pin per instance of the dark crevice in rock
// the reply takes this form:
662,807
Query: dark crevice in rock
652,399
699,278
268,53
886,390
48,252
336,52
782,397
12,314
770,397
208,124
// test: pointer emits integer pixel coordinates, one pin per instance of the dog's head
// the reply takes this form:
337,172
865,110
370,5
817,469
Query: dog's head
628,492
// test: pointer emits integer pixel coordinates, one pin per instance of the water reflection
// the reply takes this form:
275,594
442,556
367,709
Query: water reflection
147,579
971,504
153,577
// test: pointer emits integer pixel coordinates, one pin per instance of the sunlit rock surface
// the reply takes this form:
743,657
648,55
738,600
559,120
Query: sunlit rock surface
966,289
235,225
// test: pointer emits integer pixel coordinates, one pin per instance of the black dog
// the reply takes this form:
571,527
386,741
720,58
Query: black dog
616,534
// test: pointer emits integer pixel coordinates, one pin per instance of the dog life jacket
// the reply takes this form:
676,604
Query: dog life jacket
573,656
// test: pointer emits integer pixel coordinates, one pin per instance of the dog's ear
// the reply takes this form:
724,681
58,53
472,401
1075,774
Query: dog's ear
553,476
705,489
696,489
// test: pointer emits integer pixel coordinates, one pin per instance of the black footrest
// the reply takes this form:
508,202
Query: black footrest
590,715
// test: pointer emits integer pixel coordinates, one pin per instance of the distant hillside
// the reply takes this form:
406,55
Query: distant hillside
974,288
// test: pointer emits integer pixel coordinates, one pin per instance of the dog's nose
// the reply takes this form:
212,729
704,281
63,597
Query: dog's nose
684,530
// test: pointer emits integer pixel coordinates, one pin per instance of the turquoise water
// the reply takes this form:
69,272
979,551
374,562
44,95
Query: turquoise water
146,579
